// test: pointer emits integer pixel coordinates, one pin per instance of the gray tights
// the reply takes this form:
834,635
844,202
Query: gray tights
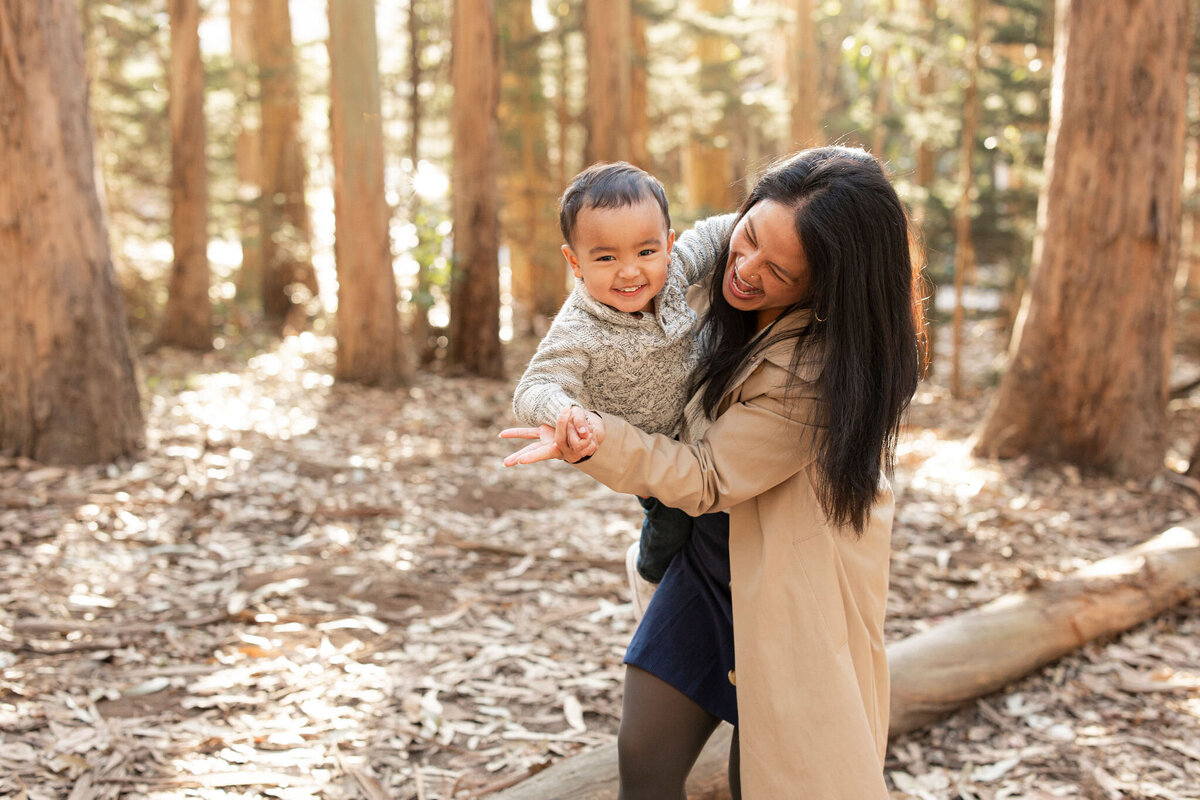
661,735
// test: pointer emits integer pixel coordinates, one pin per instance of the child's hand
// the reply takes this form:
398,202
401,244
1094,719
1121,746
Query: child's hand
579,430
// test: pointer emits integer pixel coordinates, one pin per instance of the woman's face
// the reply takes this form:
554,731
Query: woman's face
767,270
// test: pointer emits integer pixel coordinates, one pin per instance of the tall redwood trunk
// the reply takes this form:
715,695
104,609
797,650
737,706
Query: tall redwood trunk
248,148
1088,375
286,239
639,91
607,25
68,391
369,348
475,276
187,321
530,226
708,171
806,73
964,246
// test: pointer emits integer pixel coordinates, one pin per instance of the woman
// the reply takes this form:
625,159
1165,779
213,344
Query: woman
812,355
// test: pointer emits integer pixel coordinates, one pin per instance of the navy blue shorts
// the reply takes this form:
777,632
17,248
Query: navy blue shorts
686,636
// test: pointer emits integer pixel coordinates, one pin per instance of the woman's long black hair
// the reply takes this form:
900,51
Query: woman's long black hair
865,317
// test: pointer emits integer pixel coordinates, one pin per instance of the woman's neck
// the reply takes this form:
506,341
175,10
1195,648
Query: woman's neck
765,317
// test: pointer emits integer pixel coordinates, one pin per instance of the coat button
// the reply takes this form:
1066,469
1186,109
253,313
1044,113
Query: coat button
733,677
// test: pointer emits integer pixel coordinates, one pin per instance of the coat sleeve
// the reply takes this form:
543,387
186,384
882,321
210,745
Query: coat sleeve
554,378
760,441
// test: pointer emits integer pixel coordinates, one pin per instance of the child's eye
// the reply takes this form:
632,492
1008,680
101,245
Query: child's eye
648,252
605,258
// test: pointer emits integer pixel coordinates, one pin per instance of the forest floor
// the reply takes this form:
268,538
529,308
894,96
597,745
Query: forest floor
304,589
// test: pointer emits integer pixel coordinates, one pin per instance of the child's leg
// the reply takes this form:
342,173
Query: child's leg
661,735
664,530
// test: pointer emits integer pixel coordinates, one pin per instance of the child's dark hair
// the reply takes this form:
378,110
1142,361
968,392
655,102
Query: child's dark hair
608,185
865,315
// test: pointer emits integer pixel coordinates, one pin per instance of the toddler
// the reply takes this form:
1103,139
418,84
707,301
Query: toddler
624,341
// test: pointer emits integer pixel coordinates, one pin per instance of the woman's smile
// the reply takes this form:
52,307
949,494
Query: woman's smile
739,287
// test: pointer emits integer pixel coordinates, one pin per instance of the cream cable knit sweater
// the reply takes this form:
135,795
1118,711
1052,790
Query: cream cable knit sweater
638,367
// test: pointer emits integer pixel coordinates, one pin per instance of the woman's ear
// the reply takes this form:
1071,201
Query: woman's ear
572,261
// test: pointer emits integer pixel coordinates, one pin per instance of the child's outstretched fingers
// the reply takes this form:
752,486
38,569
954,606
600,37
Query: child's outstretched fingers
541,450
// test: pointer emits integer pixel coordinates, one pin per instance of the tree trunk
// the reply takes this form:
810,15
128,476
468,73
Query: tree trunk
978,652
248,148
806,70
68,391
964,248
1087,382
369,349
925,87
475,276
419,330
883,92
708,173
609,80
286,237
639,93
187,321
539,283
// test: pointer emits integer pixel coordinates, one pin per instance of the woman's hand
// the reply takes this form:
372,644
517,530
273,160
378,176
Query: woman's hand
576,437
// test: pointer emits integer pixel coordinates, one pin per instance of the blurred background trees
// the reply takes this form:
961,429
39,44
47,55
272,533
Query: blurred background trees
458,162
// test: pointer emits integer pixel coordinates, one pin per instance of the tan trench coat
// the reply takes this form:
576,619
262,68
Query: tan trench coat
808,598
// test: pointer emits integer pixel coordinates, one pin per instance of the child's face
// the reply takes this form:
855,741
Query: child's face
621,254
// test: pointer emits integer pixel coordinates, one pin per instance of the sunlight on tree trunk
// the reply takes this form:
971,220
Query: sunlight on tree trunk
247,148
883,92
806,72
286,239
964,248
607,26
1087,382
530,229
707,171
475,278
69,393
369,348
187,320
639,102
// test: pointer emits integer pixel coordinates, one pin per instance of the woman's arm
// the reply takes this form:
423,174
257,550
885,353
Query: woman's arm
755,445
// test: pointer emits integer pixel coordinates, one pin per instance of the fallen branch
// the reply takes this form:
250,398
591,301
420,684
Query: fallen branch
973,654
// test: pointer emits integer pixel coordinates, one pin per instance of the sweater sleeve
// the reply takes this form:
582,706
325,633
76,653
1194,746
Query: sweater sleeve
554,378
697,250
754,446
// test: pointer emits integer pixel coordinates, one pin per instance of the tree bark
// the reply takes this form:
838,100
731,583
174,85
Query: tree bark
1108,233
369,348
187,320
939,670
419,329
806,70
708,172
639,92
286,236
964,247
247,148
475,276
609,80
539,283
68,390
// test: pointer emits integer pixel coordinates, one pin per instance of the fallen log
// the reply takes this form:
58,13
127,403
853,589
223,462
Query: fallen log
970,655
